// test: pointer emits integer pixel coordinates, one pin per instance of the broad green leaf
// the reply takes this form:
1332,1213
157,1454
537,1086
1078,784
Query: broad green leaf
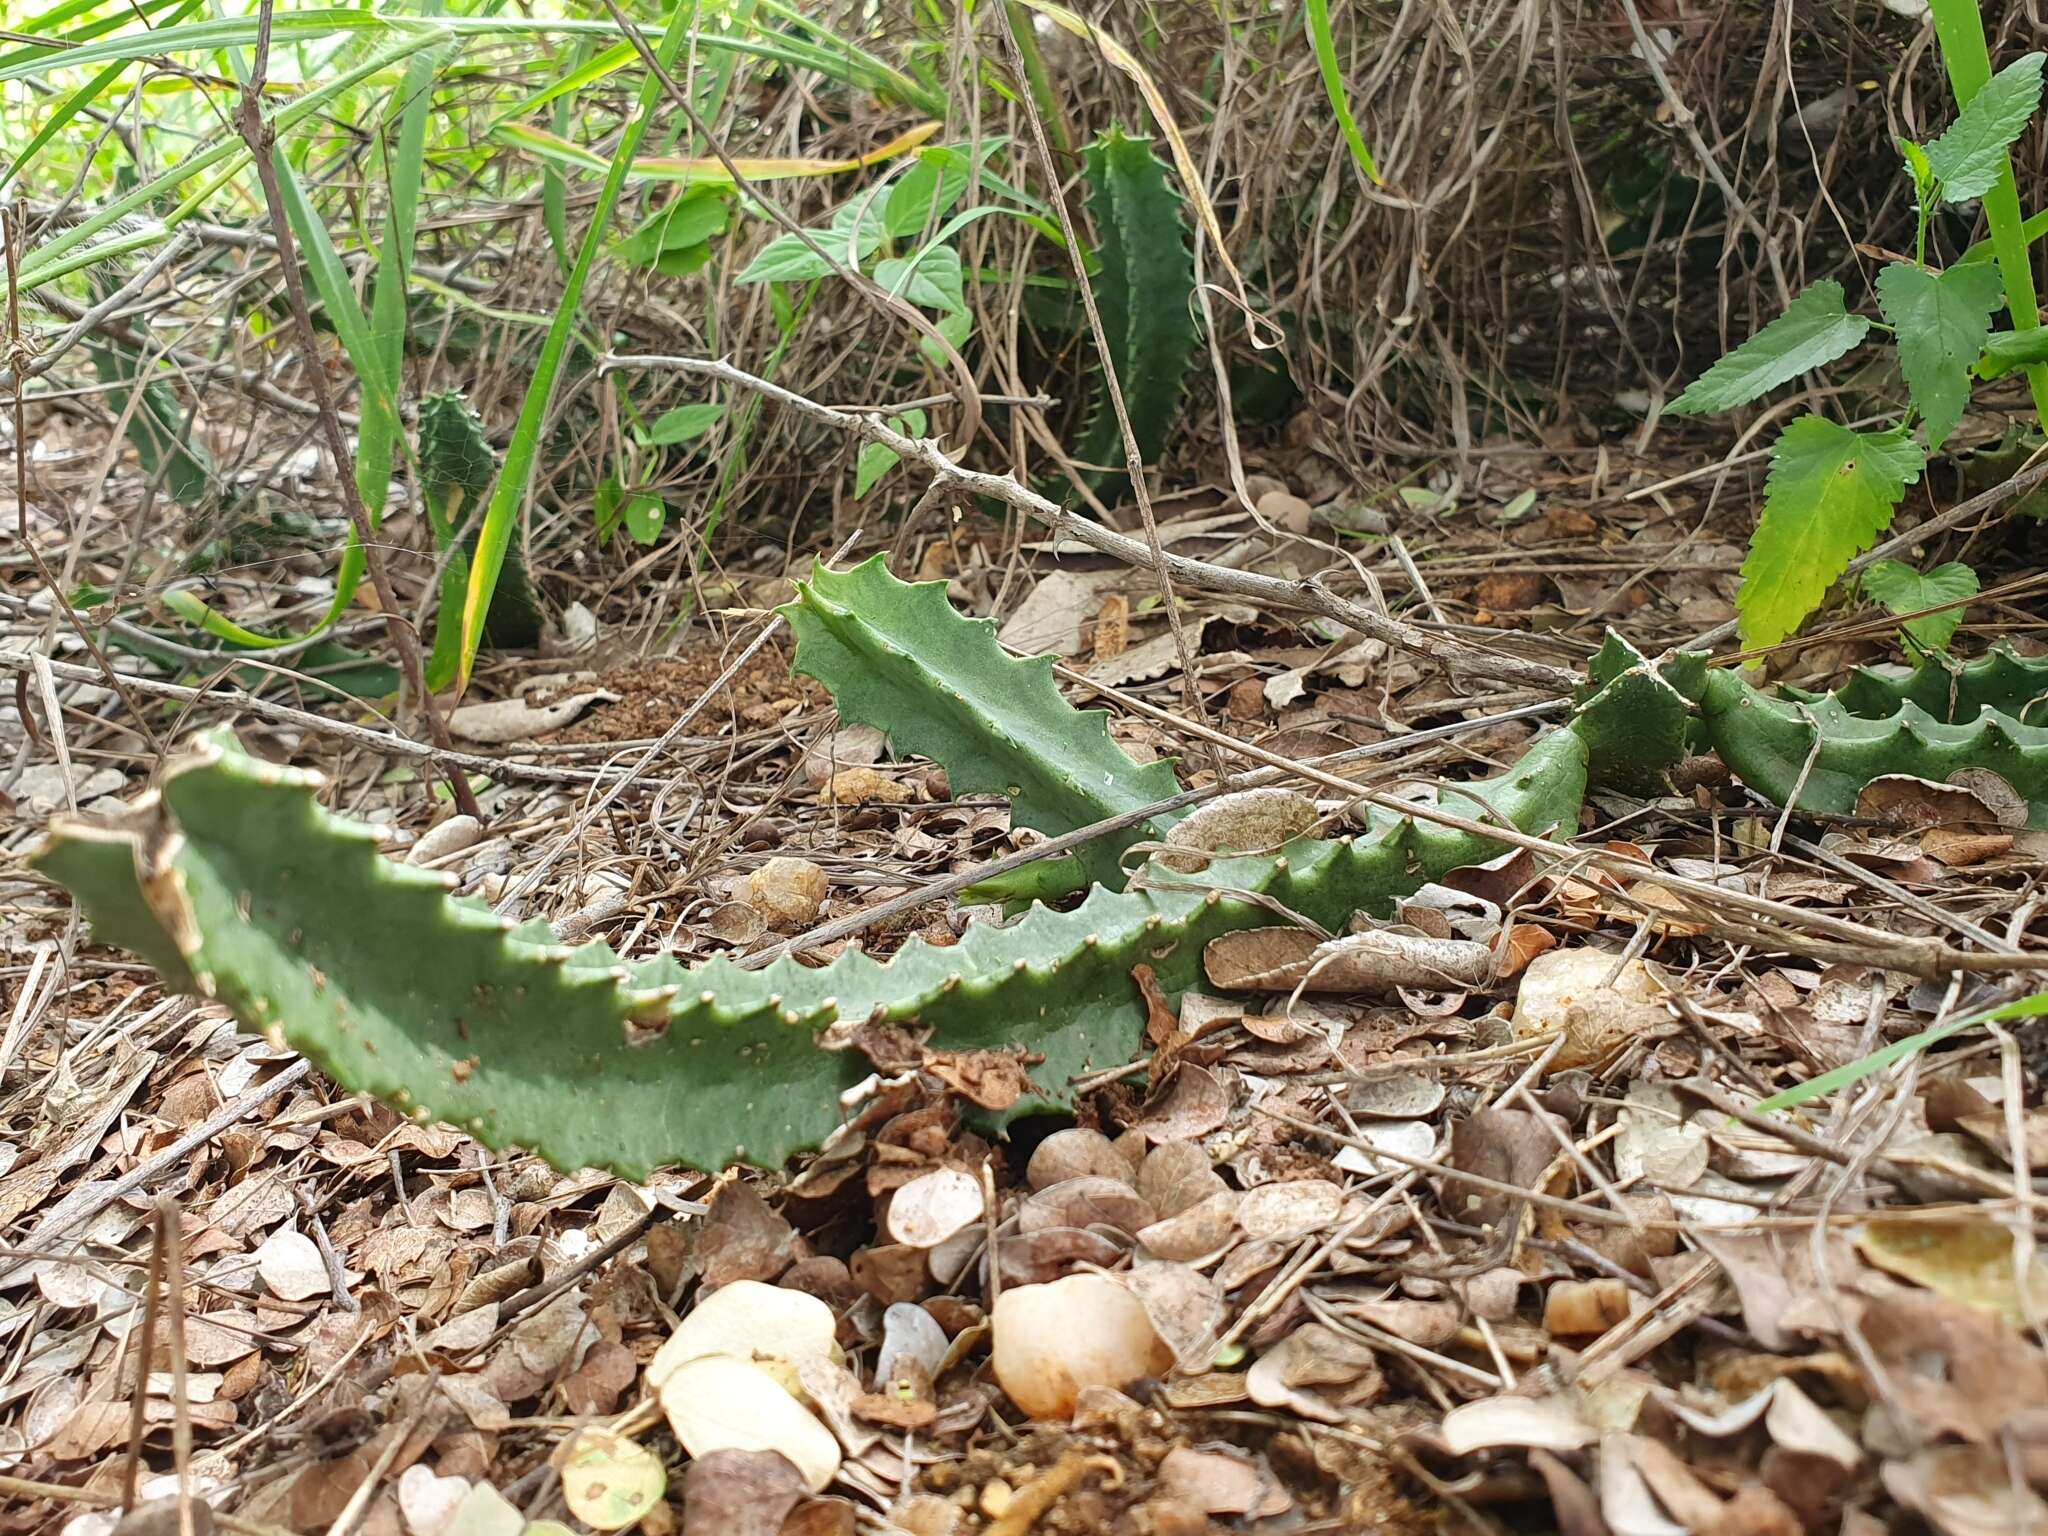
1969,158
1831,492
688,220
2005,351
1904,590
605,507
928,191
932,279
877,459
683,424
644,514
1814,330
1941,322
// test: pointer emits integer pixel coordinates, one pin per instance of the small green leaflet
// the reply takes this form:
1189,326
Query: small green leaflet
1904,590
1919,168
935,282
790,258
676,238
877,459
684,424
1969,158
928,191
1831,491
1941,322
643,515
1814,330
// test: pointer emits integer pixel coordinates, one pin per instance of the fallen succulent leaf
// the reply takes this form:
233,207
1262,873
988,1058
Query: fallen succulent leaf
609,1481
716,1403
1051,1341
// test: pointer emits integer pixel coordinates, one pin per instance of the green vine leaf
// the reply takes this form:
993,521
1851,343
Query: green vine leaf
1968,158
1903,590
1941,320
1831,492
1814,330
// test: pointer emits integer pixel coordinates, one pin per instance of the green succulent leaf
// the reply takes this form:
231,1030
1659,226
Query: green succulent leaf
899,657
1814,330
1904,590
1941,320
1142,293
1970,156
237,886
1634,715
1830,493
1813,747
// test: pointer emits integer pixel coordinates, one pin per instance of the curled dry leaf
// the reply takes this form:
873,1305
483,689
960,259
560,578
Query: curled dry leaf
1073,1153
1496,1423
934,1206
1315,1356
1051,1341
1177,1177
1427,1323
1086,1202
291,1266
787,892
1954,1370
1197,1232
1290,1209
1219,1484
741,1238
1033,1258
509,720
1194,1103
716,1403
1405,1096
1553,982
1250,821
1507,1146
1414,1140
1185,1306
609,1481
769,1326
739,1493
1910,804
1965,1490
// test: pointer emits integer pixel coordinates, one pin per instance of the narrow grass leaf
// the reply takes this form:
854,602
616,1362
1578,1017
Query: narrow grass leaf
1324,41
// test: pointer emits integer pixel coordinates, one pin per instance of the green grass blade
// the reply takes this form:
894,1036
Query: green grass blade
1323,40
1851,1073
375,444
516,476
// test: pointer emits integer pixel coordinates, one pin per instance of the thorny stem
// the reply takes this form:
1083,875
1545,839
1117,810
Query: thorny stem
257,134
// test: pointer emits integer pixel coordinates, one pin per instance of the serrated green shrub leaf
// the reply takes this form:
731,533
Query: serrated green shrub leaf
1968,158
1941,320
1814,330
1904,590
1831,492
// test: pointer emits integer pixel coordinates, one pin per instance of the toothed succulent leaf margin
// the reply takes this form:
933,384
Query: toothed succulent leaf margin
1142,293
235,883
900,657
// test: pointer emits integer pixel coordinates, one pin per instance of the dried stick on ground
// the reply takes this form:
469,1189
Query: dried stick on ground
1307,595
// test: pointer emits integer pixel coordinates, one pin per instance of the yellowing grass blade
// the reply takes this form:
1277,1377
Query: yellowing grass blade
693,169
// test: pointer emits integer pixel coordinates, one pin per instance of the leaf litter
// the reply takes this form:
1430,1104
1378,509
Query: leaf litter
1475,1209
